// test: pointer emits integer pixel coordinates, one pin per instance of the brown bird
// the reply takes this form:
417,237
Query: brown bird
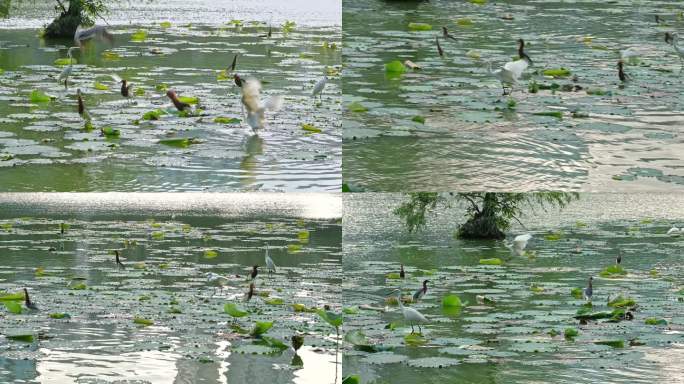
238,80
125,88
447,35
621,72
27,300
255,272
521,52
402,274
181,106
118,260
439,48
81,107
250,293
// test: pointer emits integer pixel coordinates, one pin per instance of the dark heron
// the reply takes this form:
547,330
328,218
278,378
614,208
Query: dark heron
621,71
421,292
118,259
250,293
402,274
27,301
255,272
439,47
446,34
521,52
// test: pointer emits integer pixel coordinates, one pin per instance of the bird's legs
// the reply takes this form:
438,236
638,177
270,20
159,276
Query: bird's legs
412,330
420,330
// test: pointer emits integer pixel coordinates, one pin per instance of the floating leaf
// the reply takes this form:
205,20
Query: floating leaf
179,142
274,301
65,61
13,306
153,115
19,296
418,119
261,327
556,72
109,55
553,236
655,321
395,67
101,87
577,293
415,339
59,316
622,302
556,114
20,335
353,379
142,321
611,343
451,301
210,254
226,120
311,128
492,261
294,248
570,333
613,271
139,35
394,275
189,99
165,24
110,132
420,27
332,318
233,310
464,22
38,96
357,107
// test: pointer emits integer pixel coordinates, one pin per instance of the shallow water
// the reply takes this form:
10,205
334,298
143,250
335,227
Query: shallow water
166,259
627,139
44,146
509,341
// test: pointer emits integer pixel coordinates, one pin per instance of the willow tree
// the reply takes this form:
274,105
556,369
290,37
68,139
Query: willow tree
70,14
488,214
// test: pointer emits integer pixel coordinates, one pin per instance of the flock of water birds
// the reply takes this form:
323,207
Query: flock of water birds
511,72
517,246
253,107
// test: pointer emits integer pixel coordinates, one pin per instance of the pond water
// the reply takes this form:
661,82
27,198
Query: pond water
85,326
514,333
448,127
48,141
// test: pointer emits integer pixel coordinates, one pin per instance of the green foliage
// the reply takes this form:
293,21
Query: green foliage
501,208
261,327
233,310
613,271
451,301
332,318
492,261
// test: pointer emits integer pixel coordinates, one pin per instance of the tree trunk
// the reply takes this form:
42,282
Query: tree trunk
483,224
64,26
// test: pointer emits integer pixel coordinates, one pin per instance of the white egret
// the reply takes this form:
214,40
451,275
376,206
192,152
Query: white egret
588,292
98,32
411,315
519,243
256,108
674,231
673,38
318,88
421,292
66,72
269,262
218,280
511,72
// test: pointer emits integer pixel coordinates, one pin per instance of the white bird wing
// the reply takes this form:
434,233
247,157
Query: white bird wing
629,53
318,88
673,230
520,241
115,77
274,103
414,315
516,67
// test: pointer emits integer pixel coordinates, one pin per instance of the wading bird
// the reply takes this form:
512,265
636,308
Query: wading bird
674,231
621,71
318,88
511,72
439,47
118,259
402,274
447,35
181,106
255,272
218,280
421,292
411,315
588,292
673,38
237,80
250,293
27,301
125,86
66,72
519,243
618,259
81,107
269,262
233,64
255,108
97,32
